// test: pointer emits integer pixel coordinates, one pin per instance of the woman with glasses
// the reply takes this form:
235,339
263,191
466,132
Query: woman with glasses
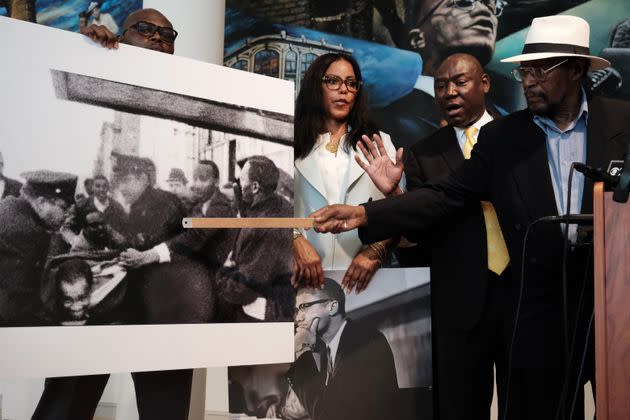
330,118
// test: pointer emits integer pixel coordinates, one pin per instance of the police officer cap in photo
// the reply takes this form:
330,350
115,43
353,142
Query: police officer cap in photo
558,36
50,184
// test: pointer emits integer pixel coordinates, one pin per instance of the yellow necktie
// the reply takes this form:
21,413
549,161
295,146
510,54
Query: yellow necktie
498,257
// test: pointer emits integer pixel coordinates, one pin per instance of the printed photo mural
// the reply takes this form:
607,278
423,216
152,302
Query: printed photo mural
398,44
71,15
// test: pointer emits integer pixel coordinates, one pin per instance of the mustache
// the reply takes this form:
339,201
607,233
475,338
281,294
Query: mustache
533,93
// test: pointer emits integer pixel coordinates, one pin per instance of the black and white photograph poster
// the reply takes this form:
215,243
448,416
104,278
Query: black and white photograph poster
102,153
372,357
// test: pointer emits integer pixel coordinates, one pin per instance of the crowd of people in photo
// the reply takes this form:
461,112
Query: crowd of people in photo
118,253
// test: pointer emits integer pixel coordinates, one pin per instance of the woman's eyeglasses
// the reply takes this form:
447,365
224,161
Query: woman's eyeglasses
334,83
148,29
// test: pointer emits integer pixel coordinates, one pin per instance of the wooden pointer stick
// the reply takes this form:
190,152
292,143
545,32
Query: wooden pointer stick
248,222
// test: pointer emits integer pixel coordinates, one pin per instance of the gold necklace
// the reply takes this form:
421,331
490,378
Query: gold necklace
333,145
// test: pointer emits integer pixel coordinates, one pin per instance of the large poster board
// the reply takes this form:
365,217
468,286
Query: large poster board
166,137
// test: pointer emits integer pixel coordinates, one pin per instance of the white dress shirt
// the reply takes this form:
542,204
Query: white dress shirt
334,167
334,344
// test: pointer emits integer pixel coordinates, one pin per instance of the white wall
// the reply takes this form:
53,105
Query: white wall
200,24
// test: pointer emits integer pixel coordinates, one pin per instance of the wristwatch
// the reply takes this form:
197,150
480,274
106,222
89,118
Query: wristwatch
297,234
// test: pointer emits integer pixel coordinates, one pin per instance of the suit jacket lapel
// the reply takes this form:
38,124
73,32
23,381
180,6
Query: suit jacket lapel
451,152
345,346
354,172
311,172
531,172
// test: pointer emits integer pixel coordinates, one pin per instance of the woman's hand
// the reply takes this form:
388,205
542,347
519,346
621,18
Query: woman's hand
384,173
307,264
361,270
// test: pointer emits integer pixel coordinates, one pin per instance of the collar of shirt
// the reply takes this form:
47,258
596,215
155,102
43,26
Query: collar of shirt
101,206
334,343
460,132
2,186
425,84
205,206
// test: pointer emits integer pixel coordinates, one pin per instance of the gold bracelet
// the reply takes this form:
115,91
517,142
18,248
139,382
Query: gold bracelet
379,249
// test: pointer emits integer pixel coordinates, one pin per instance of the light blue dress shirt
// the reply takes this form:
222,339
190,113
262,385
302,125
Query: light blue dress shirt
564,148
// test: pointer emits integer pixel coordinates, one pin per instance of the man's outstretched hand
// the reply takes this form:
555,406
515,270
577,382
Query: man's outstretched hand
384,173
102,35
339,218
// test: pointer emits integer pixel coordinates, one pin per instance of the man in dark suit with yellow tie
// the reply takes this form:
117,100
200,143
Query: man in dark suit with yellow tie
469,325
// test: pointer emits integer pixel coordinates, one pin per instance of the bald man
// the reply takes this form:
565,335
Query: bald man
469,321
160,394
144,28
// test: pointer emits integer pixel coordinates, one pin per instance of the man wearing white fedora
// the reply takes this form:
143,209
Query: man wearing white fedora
521,164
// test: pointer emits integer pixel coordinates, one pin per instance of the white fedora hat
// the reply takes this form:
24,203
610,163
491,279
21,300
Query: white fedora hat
558,36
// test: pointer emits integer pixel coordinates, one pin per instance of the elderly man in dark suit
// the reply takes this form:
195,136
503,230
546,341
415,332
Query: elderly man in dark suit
343,370
8,187
256,278
525,179
26,227
468,317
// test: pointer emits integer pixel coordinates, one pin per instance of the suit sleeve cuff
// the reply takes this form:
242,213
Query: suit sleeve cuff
163,252
256,309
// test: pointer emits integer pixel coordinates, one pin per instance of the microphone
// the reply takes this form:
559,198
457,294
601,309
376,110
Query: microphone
572,219
596,174
623,186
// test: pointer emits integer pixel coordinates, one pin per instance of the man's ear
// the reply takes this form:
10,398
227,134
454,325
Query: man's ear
578,69
334,307
416,39
485,82
255,187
